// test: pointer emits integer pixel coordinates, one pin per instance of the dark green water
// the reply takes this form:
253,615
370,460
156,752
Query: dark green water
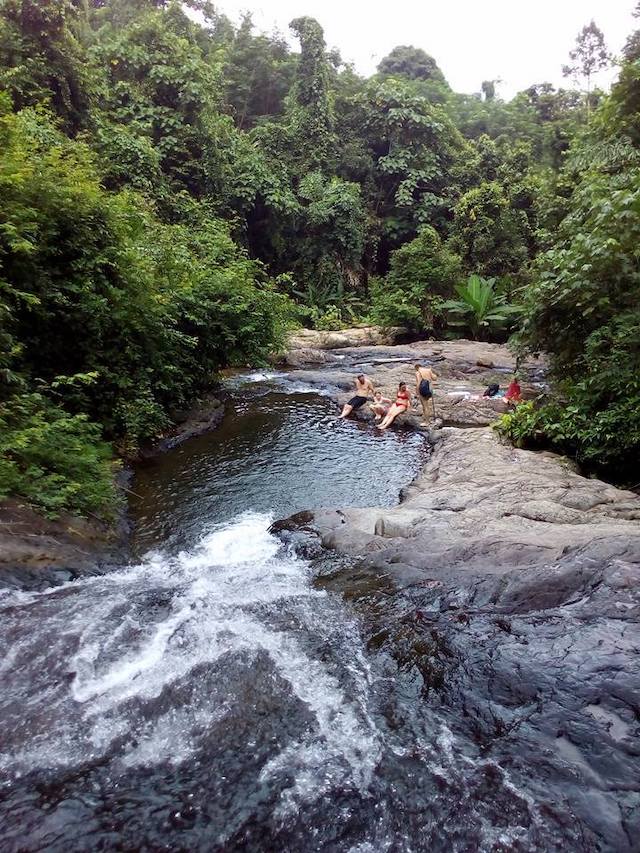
275,454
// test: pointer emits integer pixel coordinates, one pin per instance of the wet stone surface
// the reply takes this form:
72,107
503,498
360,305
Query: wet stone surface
458,672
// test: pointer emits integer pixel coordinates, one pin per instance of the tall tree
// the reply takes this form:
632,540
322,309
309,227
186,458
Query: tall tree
588,57
313,117
257,74
489,89
412,63
41,61
415,65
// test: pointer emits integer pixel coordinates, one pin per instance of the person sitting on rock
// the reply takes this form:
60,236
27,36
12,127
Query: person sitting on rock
399,407
380,405
492,390
514,392
425,377
364,389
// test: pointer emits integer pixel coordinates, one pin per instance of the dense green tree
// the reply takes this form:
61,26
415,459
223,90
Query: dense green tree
313,114
488,233
415,65
583,307
412,63
422,275
489,89
160,87
415,154
257,75
41,60
151,310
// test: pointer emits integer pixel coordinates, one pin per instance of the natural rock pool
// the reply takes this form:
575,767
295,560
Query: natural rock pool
275,453
222,693
209,696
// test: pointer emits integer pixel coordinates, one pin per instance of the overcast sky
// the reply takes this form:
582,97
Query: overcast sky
520,41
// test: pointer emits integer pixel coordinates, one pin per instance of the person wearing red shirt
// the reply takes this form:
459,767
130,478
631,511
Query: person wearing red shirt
514,392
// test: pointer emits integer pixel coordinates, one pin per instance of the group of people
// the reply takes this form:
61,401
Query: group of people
513,394
386,410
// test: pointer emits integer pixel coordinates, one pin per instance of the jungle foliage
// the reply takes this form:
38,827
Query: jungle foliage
176,190
583,304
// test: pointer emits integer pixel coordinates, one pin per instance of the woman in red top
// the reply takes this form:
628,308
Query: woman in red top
514,392
401,405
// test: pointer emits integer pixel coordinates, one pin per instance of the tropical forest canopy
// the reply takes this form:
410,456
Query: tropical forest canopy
177,191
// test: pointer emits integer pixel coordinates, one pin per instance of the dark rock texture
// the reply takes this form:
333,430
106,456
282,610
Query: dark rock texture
505,590
36,552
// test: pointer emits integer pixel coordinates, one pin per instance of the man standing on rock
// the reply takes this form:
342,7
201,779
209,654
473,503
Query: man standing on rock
425,377
364,389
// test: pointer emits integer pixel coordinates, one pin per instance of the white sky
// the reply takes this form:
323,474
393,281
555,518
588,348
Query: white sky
520,41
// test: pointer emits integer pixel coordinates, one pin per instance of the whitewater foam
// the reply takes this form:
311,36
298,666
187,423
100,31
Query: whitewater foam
126,638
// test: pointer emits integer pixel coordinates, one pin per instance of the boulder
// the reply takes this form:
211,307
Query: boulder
356,337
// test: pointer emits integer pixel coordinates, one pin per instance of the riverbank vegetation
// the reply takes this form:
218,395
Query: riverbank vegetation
177,190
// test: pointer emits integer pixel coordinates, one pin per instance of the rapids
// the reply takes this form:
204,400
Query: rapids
220,692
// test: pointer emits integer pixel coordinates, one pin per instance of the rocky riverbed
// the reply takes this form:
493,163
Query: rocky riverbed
494,649
511,589
464,369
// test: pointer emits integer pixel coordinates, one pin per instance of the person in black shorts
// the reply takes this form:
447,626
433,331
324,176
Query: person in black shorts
364,389
425,377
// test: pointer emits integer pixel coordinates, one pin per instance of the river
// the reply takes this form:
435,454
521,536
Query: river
220,692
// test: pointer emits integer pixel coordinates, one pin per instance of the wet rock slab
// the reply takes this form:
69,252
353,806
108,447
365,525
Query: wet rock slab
464,369
504,591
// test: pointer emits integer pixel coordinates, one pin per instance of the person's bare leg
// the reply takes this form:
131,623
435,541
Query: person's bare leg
425,402
346,411
391,416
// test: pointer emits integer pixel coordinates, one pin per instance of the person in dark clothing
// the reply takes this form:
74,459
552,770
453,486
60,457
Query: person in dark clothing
425,377
364,390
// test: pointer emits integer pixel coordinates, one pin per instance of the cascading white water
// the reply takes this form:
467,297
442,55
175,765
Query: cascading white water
122,639
214,697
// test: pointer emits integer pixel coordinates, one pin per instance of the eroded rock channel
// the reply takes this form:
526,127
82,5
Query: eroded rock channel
457,671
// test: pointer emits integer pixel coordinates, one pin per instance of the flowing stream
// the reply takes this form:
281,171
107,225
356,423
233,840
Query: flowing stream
217,693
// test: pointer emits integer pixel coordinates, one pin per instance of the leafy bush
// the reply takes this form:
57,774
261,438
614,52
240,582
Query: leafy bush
488,233
583,310
423,272
480,307
591,275
93,287
92,282
54,460
594,416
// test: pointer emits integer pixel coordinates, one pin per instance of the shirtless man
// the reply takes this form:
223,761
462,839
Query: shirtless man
425,377
364,389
